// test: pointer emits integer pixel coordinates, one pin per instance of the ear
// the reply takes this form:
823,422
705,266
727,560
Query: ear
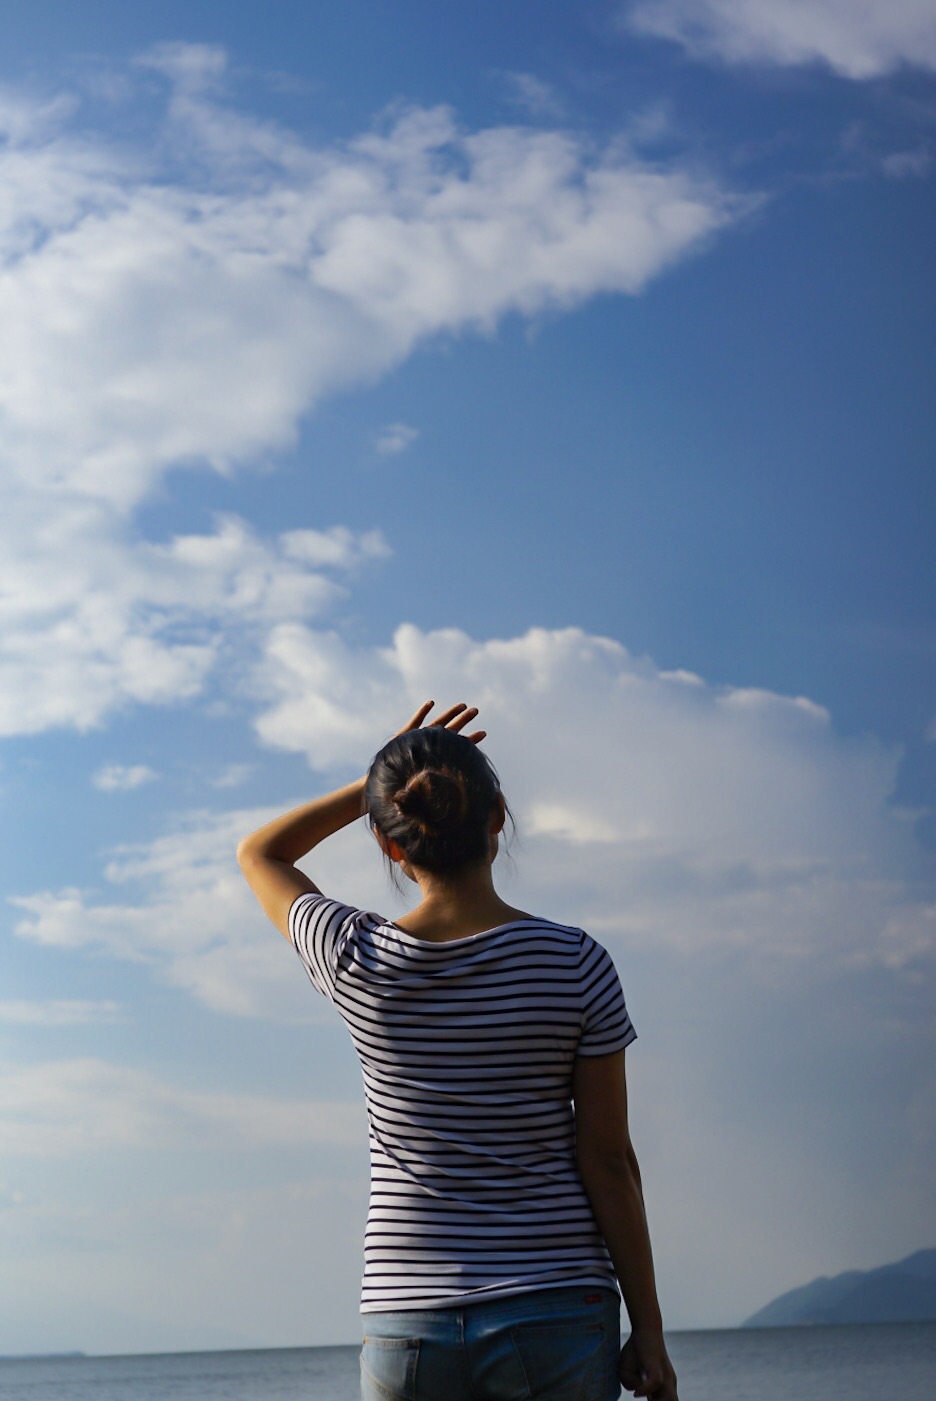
498,815
388,846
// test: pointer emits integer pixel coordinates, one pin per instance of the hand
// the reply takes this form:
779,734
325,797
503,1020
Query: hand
645,1368
455,718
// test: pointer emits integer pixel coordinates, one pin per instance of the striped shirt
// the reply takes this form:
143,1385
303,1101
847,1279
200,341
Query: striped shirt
467,1049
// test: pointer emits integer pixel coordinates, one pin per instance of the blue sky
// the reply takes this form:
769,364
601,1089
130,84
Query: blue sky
573,362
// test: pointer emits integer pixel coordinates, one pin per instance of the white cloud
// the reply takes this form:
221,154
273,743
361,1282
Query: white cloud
857,38
190,916
651,803
72,1106
192,67
570,824
198,321
652,806
907,165
533,95
233,776
395,438
93,620
864,153
57,1013
123,778
179,905
191,314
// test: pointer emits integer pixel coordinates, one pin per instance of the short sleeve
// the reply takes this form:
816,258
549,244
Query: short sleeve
319,929
606,1026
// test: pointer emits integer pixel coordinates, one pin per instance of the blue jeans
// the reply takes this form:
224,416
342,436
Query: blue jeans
546,1345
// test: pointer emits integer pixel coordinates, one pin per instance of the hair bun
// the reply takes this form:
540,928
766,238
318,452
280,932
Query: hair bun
433,794
433,799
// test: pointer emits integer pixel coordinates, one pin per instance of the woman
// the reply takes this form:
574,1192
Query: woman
498,1220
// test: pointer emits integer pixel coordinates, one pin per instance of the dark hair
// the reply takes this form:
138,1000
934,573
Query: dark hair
431,791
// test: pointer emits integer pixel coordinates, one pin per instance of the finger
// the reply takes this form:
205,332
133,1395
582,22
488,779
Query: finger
651,1384
416,721
477,737
629,1371
448,715
460,721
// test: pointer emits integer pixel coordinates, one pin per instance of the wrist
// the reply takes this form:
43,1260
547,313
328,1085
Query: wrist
647,1329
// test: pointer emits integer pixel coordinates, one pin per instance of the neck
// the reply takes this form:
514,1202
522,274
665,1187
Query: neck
457,906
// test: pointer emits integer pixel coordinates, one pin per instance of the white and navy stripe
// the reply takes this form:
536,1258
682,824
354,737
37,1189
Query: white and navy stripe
467,1049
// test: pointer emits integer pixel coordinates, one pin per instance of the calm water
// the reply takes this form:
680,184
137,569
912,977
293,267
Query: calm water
770,1364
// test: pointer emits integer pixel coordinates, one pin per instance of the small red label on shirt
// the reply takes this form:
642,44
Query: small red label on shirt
593,1298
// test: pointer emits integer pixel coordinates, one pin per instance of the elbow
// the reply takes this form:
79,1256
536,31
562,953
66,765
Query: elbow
607,1164
247,853
612,1165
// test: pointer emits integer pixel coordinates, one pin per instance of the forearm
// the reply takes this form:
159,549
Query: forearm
288,838
614,1190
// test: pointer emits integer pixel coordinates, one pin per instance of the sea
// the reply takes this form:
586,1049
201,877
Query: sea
866,1363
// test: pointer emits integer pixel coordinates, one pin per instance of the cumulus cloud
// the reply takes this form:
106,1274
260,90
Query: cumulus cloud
197,320
94,619
857,38
190,313
331,701
653,805
123,778
653,808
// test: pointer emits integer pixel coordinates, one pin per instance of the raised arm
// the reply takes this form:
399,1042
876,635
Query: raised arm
609,1170
268,856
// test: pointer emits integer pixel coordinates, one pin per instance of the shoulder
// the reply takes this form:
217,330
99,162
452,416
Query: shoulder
318,918
539,926
324,934
563,946
589,952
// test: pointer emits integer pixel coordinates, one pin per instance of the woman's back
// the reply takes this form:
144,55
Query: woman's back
467,1048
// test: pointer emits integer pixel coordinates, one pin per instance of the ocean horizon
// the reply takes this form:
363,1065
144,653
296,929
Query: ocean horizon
844,1362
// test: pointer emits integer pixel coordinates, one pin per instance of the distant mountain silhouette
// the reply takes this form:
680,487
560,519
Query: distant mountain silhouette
904,1292
38,1356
